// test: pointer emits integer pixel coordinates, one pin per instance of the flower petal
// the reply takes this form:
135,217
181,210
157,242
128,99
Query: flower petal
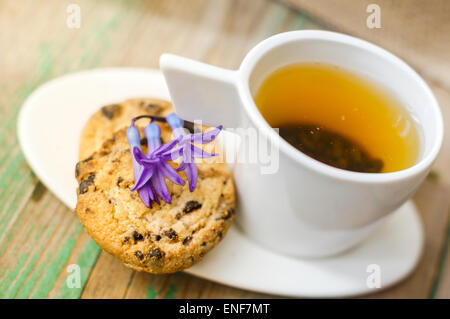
164,148
144,177
191,174
137,168
170,173
155,196
181,167
203,138
144,194
143,159
173,154
138,155
148,161
199,153
159,183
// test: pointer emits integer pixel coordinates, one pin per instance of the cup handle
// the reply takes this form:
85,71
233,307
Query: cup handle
201,91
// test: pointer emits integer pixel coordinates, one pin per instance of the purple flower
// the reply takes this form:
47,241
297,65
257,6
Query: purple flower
186,149
151,169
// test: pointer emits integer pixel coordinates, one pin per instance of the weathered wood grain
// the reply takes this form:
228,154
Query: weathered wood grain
39,237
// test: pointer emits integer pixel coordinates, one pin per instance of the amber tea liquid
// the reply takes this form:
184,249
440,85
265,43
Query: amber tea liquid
339,118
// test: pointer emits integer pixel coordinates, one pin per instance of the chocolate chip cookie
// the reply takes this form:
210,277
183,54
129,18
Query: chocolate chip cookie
167,237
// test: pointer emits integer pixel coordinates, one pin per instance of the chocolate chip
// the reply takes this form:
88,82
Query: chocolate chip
178,216
137,236
109,111
157,237
119,180
77,167
189,126
204,244
151,107
90,158
171,234
187,240
156,253
85,183
226,215
139,254
144,141
87,210
126,239
191,206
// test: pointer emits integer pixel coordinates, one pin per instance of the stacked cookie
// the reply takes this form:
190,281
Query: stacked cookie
167,237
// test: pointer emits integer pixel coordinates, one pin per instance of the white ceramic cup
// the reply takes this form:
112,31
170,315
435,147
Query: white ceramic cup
307,208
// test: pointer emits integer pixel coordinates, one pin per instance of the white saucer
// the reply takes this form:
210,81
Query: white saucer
49,128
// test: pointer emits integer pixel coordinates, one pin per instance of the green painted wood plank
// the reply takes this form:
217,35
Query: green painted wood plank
26,278
86,260
15,277
53,269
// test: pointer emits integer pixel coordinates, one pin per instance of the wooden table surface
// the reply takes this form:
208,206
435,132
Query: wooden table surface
40,237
